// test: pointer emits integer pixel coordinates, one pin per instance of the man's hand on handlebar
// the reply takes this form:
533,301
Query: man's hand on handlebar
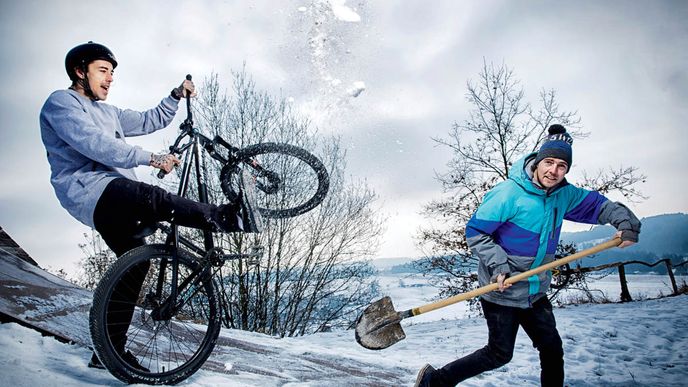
164,162
187,87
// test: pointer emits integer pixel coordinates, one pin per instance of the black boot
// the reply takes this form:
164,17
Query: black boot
95,362
424,376
133,361
127,356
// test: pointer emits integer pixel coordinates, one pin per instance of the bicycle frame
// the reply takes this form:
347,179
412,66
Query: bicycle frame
193,152
193,160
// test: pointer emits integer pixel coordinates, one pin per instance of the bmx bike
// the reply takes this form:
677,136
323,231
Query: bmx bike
175,320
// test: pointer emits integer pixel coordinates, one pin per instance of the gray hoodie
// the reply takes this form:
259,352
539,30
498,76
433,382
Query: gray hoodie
86,147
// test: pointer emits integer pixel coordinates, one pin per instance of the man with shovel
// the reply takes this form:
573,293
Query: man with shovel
516,228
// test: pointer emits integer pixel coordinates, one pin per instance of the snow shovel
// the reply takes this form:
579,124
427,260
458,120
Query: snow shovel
379,327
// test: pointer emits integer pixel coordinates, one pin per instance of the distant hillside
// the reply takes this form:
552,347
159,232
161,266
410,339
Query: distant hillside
385,264
662,236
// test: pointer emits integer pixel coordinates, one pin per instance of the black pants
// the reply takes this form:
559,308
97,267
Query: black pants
123,213
503,322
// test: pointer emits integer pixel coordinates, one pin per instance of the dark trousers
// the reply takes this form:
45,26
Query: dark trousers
124,212
503,322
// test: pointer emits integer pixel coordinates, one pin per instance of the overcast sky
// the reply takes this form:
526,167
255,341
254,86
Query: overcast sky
623,65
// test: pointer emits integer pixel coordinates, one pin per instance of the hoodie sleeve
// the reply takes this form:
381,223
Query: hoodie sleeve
492,213
71,123
136,123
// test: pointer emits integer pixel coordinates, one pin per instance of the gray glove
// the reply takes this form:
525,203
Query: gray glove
622,219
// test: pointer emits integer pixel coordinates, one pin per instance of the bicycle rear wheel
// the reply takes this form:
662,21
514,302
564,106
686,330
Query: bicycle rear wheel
167,346
290,181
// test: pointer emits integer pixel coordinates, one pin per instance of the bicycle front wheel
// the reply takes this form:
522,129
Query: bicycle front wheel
141,337
290,181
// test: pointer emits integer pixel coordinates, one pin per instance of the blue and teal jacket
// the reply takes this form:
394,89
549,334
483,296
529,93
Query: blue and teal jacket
516,228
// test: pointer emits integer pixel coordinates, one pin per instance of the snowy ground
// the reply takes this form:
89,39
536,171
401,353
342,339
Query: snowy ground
633,344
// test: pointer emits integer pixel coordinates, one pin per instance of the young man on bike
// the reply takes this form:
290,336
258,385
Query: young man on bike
92,169
516,228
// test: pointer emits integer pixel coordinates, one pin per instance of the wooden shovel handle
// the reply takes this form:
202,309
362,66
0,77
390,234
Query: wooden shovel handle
513,279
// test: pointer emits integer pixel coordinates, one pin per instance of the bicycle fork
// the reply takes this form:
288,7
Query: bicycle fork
189,287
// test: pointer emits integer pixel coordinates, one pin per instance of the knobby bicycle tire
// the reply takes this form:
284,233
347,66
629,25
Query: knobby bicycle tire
171,348
303,179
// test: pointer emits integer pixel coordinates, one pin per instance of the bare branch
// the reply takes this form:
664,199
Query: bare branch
621,180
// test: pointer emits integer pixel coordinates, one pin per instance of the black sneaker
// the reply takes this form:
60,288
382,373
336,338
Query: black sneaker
95,362
424,375
227,218
133,361
252,221
127,357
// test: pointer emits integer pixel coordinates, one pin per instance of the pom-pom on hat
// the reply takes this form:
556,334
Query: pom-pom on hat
557,145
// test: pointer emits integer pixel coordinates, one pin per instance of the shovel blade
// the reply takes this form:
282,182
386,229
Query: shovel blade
378,326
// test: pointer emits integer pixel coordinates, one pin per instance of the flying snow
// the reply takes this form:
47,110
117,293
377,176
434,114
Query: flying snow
356,88
344,13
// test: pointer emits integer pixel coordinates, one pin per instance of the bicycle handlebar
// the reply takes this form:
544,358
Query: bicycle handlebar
188,121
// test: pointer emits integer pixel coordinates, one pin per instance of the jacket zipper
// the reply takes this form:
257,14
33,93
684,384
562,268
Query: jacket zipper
554,223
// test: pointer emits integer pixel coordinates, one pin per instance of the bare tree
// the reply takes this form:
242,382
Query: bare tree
97,259
313,274
500,128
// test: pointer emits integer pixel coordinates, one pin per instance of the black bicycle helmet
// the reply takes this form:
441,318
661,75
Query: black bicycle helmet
83,54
